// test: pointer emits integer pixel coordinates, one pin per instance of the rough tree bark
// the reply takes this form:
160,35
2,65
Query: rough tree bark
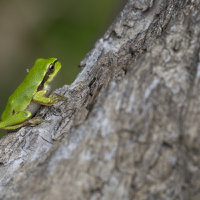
130,129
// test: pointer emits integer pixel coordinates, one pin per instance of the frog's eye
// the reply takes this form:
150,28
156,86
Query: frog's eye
51,68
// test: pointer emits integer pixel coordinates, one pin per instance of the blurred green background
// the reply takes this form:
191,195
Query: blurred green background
66,29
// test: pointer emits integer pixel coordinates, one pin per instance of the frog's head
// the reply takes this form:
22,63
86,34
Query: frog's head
47,69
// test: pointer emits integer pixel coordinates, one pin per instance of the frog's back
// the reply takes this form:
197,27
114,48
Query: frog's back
22,96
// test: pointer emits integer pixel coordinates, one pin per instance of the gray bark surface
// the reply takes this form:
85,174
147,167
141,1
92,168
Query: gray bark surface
131,127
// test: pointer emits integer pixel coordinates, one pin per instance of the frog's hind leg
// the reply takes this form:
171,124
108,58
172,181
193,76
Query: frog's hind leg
15,121
13,128
34,121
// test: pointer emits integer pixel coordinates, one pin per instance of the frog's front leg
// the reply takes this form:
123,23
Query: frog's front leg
47,101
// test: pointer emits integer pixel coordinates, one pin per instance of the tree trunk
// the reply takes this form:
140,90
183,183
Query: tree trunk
130,129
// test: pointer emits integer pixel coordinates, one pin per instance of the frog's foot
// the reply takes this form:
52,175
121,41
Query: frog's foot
36,120
57,97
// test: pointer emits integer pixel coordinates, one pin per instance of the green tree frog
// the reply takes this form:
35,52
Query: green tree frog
30,95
